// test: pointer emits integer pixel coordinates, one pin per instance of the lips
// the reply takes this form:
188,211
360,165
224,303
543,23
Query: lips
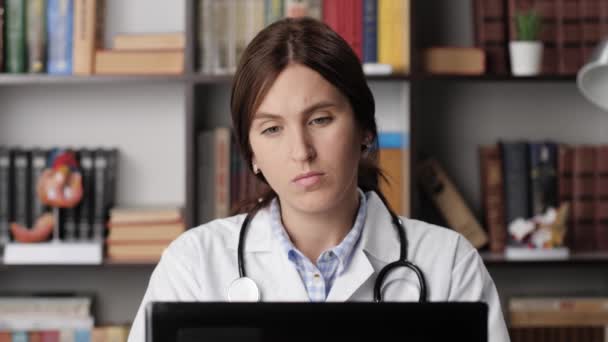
308,179
307,175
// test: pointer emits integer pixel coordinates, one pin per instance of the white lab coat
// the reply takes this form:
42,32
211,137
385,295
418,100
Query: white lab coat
202,262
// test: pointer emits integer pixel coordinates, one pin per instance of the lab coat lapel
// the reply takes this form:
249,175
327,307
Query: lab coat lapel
378,239
276,275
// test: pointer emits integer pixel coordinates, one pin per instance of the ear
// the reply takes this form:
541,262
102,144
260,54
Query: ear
367,138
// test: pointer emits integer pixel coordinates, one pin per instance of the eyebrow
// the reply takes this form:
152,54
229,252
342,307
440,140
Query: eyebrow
307,111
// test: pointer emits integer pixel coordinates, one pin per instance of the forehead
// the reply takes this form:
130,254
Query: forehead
297,87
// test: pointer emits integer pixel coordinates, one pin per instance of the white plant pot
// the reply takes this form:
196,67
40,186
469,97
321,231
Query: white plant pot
526,57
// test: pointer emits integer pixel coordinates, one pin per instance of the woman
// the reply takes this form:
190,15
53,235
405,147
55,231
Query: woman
303,116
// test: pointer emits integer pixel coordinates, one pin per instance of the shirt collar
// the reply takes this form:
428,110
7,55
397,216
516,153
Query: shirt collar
343,251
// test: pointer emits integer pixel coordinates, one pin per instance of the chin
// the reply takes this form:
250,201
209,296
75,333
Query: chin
318,200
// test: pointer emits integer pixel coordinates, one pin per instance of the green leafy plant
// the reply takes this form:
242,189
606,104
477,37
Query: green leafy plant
528,25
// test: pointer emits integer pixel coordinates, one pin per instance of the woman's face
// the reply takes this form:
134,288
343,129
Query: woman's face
306,142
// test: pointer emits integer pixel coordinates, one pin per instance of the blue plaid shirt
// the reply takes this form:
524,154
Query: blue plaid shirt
318,279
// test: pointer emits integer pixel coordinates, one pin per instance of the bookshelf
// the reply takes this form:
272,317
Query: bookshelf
448,117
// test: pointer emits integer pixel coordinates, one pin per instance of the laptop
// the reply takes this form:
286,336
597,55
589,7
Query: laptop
318,322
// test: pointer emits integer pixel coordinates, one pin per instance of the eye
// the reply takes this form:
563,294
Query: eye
321,120
271,130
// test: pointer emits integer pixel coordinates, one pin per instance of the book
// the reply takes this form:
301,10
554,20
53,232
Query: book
100,194
492,196
490,28
370,31
145,215
303,8
273,11
442,191
88,34
525,253
36,36
225,33
136,252
2,35
15,21
583,193
6,194
543,176
208,44
145,232
564,169
447,60
22,193
344,17
391,160
214,174
149,41
581,333
120,62
49,253
38,161
60,36
516,180
394,34
601,198
85,207
558,311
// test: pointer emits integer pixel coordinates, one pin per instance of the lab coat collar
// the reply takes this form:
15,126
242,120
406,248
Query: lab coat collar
378,238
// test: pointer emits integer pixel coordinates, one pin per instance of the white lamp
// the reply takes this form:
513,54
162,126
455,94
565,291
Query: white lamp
592,78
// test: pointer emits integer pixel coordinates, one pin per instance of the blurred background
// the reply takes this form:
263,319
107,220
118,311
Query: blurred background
483,124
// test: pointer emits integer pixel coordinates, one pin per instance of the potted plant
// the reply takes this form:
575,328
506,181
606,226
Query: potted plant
526,51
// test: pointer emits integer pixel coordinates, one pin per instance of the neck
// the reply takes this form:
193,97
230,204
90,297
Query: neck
313,233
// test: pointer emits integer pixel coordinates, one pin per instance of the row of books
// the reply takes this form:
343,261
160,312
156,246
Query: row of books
19,172
225,181
571,29
142,234
522,179
46,318
377,30
64,37
552,319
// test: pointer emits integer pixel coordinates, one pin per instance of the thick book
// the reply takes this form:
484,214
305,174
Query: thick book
15,17
601,198
124,62
6,194
442,191
394,34
492,196
145,215
85,207
145,232
100,194
48,253
150,41
136,252
490,28
38,161
88,34
214,174
583,193
370,31
60,15
558,311
564,170
208,43
582,333
448,60
516,181
543,176
36,36
22,194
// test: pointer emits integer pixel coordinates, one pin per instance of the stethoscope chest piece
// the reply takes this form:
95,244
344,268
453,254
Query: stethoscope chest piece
243,289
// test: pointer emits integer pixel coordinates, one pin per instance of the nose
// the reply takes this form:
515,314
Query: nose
301,147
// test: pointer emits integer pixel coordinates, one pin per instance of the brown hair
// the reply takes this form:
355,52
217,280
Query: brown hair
311,43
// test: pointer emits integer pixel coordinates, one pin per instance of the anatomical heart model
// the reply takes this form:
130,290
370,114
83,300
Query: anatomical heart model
59,186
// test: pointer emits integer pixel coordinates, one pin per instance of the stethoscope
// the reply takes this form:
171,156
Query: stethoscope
246,290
